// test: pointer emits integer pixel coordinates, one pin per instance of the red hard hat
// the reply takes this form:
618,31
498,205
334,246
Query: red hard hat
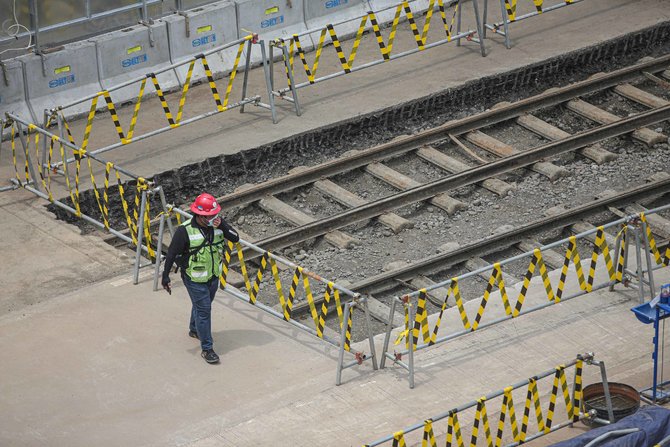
205,205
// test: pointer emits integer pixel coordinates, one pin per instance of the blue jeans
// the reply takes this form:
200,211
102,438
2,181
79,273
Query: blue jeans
202,295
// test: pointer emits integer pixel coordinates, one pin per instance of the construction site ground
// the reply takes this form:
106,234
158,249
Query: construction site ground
91,359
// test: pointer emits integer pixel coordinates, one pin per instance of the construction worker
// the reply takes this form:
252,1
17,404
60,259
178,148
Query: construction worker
197,248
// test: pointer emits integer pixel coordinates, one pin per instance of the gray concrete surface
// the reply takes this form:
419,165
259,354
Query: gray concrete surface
90,359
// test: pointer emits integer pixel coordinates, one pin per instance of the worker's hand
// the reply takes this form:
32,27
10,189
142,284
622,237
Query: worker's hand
166,285
216,222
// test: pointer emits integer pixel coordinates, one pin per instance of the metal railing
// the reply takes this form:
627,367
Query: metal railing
414,304
574,406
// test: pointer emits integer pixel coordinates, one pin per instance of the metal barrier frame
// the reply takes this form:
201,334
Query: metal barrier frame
56,113
356,300
505,7
31,184
576,400
288,57
644,241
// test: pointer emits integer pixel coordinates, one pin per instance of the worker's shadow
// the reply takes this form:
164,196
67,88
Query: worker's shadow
232,339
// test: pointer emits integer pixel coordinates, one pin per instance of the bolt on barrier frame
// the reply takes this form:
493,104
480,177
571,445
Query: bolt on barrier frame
57,114
138,220
508,13
295,47
414,304
332,292
573,403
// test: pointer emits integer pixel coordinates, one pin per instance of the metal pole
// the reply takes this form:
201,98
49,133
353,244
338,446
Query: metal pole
617,247
35,23
343,335
145,14
247,66
485,17
44,169
479,27
293,87
458,23
655,354
373,352
410,336
638,258
389,328
161,194
647,253
268,82
140,229
159,251
508,44
606,390
26,151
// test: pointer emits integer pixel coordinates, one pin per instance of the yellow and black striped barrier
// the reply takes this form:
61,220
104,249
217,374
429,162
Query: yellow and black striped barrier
173,121
331,293
420,326
293,46
453,434
73,180
510,14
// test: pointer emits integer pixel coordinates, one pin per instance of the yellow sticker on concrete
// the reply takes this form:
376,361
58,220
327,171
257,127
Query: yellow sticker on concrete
273,10
65,69
134,49
204,29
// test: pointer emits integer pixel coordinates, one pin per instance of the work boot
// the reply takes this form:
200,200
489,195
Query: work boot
210,356
193,334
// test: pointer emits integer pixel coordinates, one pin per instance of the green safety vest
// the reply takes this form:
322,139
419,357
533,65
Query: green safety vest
205,260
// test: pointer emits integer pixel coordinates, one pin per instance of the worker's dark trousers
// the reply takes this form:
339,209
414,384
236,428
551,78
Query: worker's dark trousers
202,295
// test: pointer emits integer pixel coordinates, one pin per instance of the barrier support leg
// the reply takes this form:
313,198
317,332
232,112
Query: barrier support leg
638,268
410,336
161,194
617,247
26,151
458,22
159,251
485,17
606,390
44,169
140,232
61,134
478,21
371,340
268,82
387,337
343,335
246,73
294,92
650,268
508,44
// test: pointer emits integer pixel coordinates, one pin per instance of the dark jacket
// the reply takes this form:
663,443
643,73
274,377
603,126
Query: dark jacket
180,243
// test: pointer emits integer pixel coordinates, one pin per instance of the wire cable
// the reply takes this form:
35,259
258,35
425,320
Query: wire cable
14,29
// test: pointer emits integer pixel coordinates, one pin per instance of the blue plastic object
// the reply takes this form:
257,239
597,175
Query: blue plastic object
647,314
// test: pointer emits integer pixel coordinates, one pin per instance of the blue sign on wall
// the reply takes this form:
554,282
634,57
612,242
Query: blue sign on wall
204,40
272,22
142,58
335,3
69,79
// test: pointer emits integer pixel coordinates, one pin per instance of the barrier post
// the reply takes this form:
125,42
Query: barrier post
159,250
266,73
343,339
140,233
410,337
368,323
26,150
387,337
647,252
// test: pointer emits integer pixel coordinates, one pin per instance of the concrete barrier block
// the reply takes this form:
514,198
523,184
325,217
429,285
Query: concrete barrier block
61,77
131,53
385,9
271,19
12,91
319,13
199,30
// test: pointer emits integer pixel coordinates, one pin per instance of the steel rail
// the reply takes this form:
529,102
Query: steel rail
432,136
474,175
501,241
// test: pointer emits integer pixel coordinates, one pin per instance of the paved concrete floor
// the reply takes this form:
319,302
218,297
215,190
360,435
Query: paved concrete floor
91,359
